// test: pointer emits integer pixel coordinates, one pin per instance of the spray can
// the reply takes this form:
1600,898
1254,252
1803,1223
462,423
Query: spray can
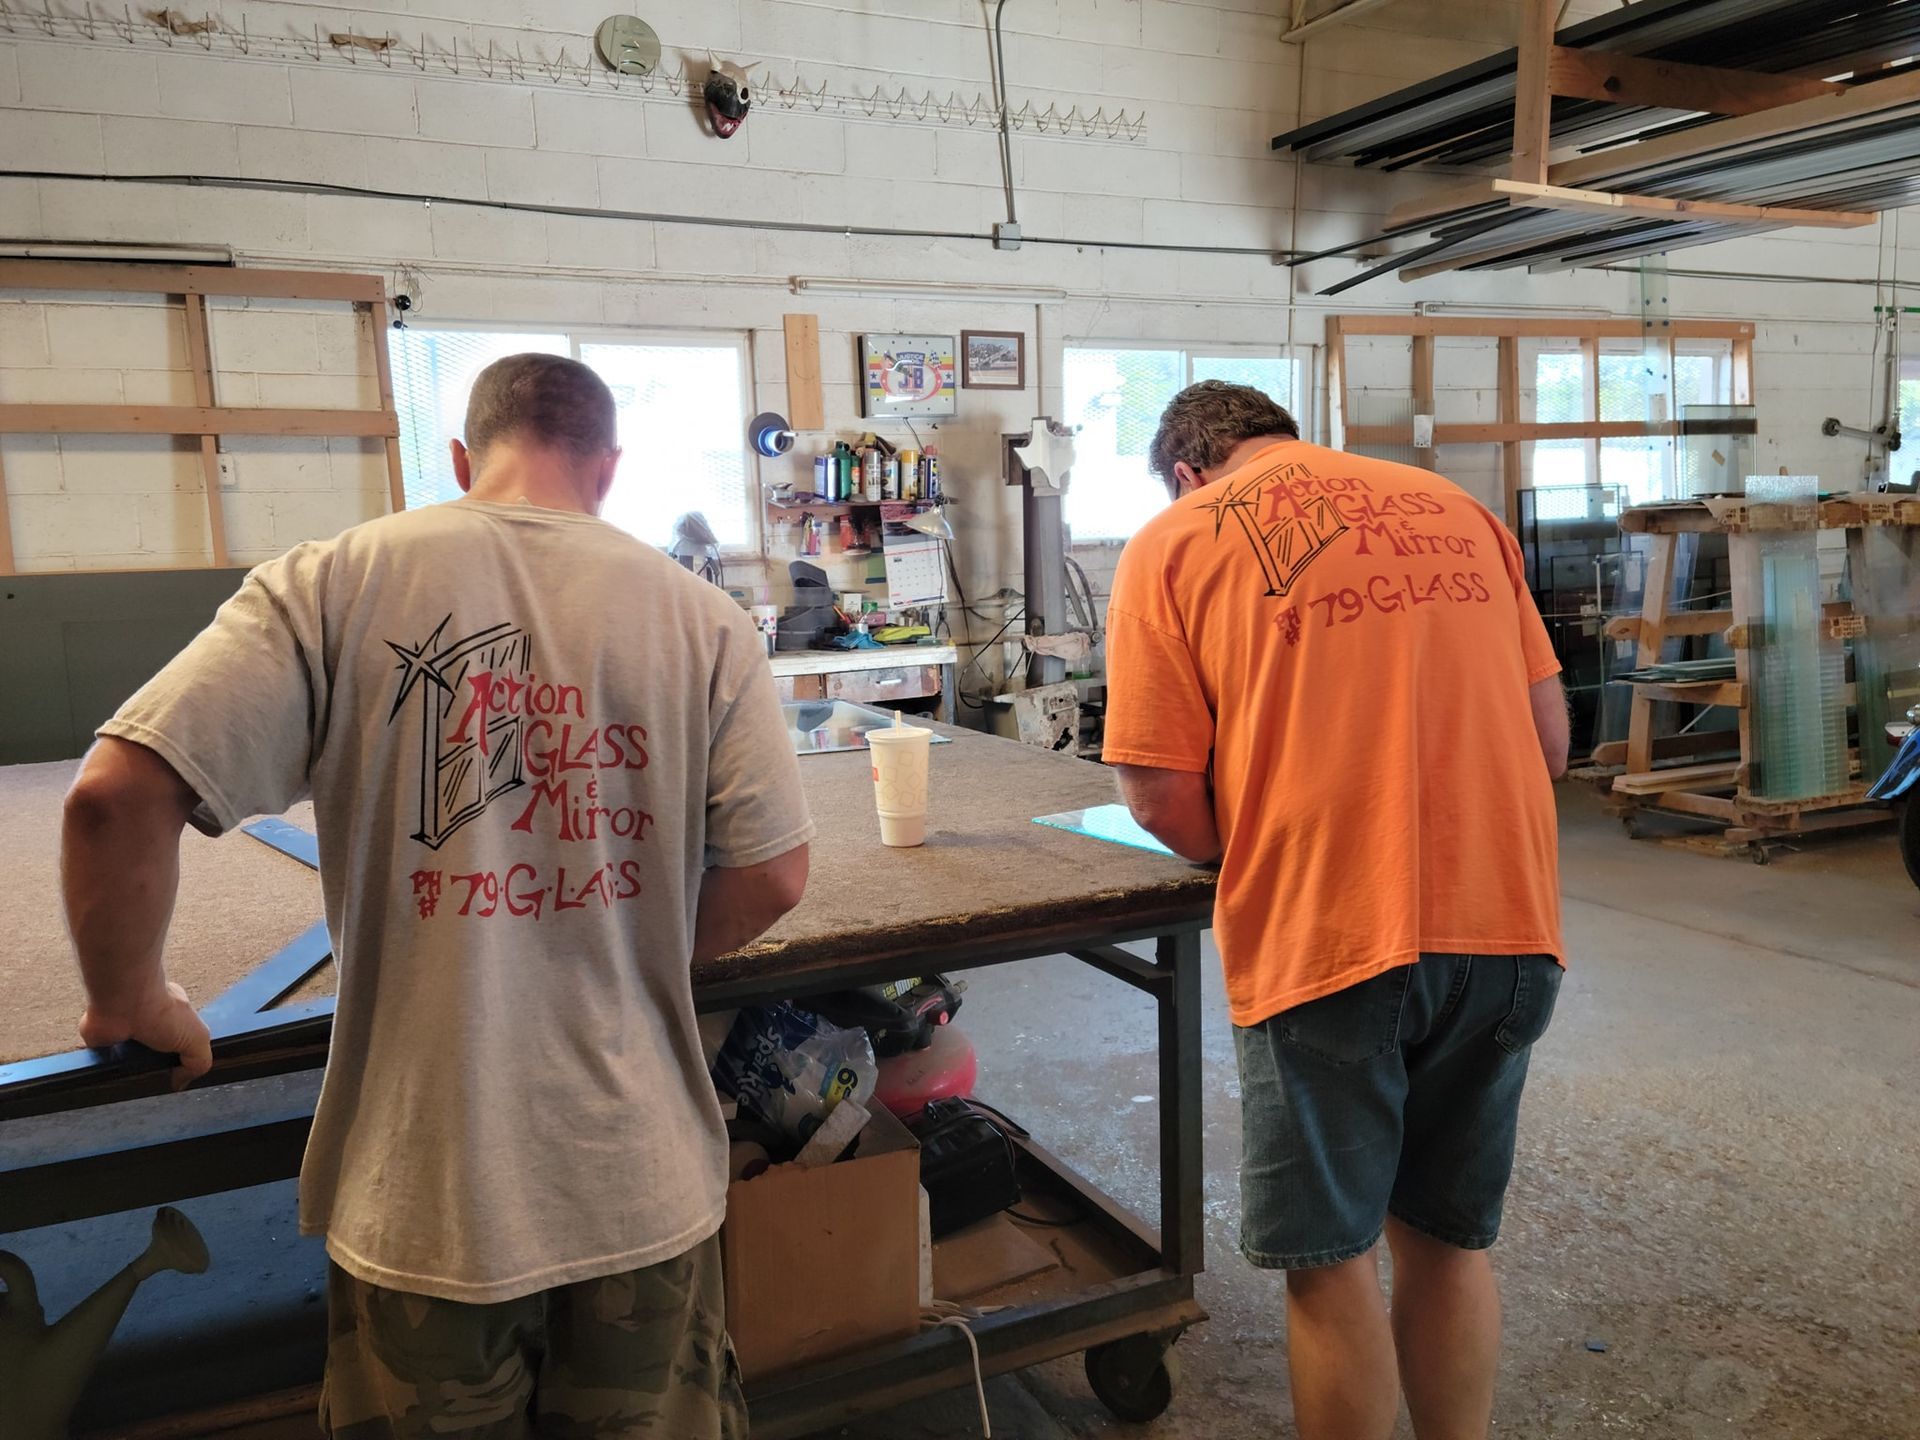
875,482
931,489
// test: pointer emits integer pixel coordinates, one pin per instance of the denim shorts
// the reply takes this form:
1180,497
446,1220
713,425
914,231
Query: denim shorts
1399,1095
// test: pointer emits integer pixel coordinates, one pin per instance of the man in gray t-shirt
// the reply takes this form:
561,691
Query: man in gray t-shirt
548,770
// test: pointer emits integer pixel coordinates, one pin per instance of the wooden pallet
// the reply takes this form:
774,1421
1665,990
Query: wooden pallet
1716,789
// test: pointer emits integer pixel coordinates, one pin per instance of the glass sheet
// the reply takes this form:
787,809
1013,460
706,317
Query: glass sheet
828,727
1112,823
1554,390
1715,464
1797,670
1383,408
1886,659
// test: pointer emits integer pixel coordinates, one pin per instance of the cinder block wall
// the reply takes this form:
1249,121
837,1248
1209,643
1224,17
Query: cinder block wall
1165,237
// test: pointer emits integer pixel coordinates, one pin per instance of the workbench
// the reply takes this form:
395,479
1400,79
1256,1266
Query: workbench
989,888
886,676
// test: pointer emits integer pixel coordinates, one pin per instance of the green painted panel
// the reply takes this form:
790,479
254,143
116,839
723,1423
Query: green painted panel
74,647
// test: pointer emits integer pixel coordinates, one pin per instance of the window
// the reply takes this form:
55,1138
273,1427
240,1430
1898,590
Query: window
1642,469
1116,395
682,405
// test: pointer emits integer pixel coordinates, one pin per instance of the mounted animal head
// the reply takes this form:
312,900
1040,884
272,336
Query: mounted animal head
727,96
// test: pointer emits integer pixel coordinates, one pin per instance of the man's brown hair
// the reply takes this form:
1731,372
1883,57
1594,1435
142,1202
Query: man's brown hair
546,399
1205,422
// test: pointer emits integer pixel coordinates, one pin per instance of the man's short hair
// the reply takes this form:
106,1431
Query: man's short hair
1205,422
546,400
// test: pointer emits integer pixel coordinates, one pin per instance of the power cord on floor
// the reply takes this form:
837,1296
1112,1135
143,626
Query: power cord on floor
959,1317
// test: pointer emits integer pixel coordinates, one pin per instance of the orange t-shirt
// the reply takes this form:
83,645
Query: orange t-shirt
1348,643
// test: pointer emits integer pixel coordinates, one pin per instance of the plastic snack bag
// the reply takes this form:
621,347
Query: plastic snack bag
790,1068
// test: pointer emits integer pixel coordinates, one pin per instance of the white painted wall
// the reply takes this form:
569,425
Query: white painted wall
1160,237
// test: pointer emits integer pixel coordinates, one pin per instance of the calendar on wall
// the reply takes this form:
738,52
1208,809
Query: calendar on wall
916,563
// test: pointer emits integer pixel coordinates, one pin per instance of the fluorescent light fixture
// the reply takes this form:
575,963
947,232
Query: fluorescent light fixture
87,250
927,290
1468,307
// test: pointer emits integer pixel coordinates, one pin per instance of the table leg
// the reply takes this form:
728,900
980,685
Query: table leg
1182,1172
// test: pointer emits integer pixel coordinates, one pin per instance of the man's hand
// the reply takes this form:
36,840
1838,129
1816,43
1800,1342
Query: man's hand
120,871
165,1022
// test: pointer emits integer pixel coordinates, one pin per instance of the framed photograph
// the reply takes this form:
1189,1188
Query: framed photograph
906,375
993,360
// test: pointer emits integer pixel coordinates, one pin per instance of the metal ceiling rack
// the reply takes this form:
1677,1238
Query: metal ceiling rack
1805,116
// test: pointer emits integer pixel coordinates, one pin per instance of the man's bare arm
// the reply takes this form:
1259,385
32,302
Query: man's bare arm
739,906
1551,722
120,873
1175,807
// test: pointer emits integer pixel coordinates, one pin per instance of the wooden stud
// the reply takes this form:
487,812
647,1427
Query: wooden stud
383,374
200,354
805,408
1531,196
1336,335
1423,399
1655,597
1670,747
1532,99
99,275
6,525
1731,693
1511,468
1666,84
1711,806
191,420
1680,622
1678,777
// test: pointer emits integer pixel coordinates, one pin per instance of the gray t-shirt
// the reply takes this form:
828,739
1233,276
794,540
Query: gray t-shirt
526,734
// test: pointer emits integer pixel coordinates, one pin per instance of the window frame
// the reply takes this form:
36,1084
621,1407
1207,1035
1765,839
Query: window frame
1594,353
1299,355
691,337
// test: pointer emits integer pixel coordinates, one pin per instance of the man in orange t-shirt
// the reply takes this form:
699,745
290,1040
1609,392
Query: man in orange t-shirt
1326,673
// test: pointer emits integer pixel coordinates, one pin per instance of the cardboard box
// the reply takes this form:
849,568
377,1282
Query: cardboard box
823,1261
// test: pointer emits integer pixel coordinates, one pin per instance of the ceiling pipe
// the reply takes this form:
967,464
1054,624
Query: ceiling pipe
1341,12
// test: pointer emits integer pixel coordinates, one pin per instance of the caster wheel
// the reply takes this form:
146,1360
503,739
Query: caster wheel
1134,1378
1760,855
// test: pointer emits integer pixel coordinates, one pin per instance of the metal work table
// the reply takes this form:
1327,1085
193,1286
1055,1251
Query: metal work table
895,673
990,887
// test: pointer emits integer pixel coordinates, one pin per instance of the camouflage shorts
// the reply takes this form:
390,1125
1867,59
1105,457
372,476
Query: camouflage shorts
643,1353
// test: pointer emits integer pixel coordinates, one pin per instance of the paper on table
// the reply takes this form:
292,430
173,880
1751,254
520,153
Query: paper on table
1112,823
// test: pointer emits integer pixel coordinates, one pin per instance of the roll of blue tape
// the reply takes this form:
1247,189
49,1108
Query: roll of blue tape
770,433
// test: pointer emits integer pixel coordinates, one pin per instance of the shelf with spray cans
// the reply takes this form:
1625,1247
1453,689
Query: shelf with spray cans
858,483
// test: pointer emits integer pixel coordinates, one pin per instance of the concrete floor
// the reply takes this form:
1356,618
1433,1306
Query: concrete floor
1718,1178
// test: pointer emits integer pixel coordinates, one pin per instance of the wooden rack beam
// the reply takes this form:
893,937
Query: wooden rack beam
207,419
1560,197
191,420
1545,327
1608,75
191,280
